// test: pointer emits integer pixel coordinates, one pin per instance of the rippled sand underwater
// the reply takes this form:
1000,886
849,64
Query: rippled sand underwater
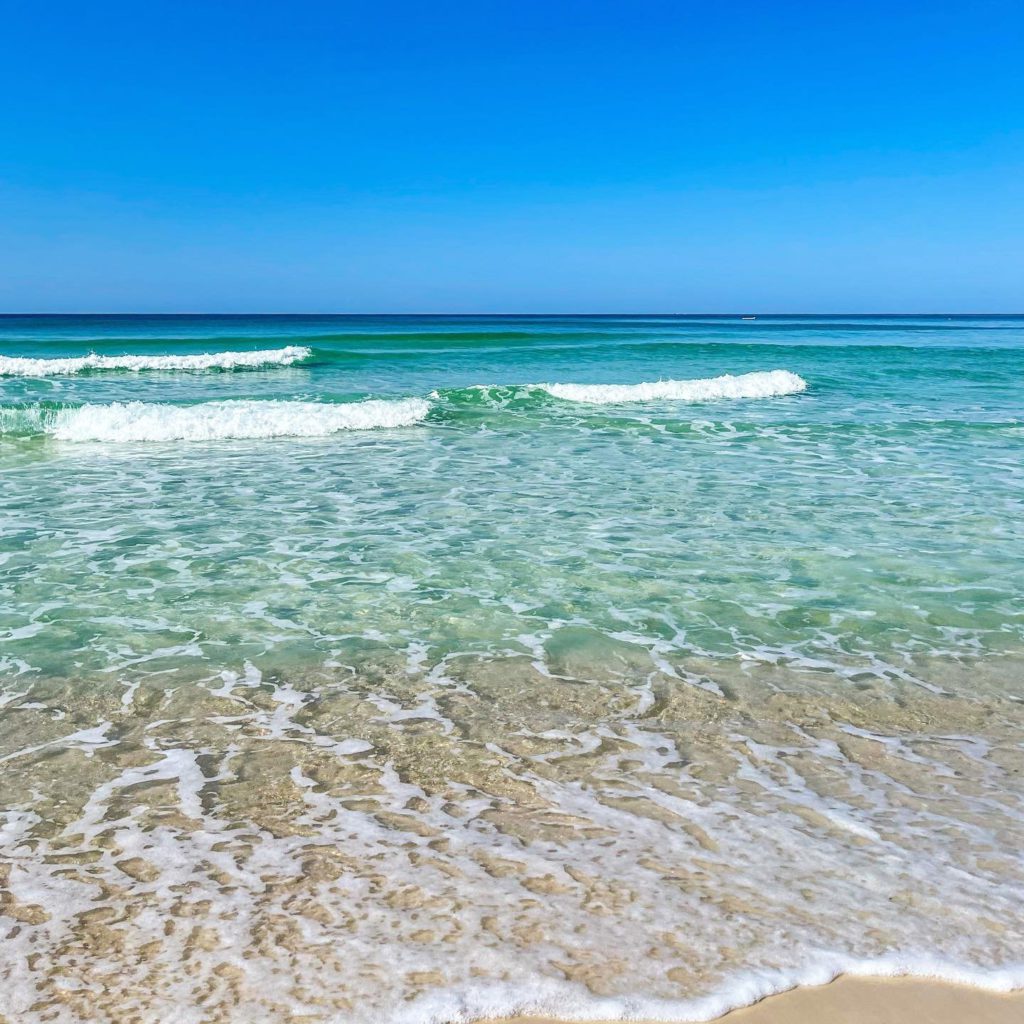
593,702
401,846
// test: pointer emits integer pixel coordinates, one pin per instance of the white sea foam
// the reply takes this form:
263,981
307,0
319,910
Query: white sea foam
409,906
568,1002
211,421
762,384
19,366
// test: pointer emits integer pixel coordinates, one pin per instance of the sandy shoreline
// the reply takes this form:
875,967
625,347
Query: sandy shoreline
871,1001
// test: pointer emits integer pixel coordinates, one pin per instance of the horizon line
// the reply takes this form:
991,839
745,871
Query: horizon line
510,313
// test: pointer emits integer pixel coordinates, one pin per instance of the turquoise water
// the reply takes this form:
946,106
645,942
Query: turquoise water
390,586
872,518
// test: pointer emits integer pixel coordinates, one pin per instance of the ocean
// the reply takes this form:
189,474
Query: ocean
417,669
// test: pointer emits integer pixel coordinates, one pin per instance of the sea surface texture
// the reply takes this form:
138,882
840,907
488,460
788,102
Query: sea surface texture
406,670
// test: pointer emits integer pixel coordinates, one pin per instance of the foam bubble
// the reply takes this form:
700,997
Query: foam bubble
210,421
761,384
18,366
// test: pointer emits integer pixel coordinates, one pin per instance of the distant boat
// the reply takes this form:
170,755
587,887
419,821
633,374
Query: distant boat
748,317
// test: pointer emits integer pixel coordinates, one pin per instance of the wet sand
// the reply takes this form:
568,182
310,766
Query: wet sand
874,1001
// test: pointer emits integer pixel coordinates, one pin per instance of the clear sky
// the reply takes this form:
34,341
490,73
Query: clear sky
514,156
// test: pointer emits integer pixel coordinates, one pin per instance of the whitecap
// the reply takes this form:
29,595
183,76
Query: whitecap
211,421
20,366
761,384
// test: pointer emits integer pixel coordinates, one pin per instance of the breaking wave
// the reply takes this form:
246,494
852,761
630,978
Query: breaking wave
211,421
20,366
761,384
248,418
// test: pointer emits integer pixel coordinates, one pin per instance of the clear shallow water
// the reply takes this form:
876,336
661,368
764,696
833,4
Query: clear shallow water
437,698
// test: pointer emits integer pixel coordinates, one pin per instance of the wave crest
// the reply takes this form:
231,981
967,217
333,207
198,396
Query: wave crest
212,421
761,384
21,366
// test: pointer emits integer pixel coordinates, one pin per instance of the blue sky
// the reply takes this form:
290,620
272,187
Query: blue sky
516,156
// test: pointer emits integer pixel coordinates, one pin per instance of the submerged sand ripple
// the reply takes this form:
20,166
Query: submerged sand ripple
487,836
